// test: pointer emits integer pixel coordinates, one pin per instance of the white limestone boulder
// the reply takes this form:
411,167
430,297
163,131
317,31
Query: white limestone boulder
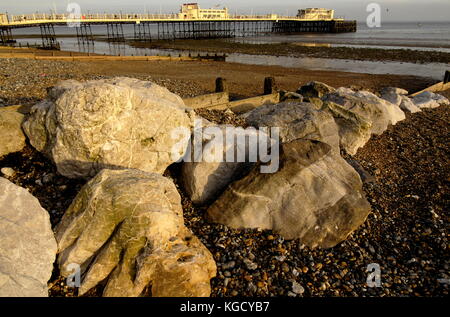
354,130
127,227
398,97
115,123
315,89
296,120
429,99
27,244
316,197
408,105
394,90
379,112
223,155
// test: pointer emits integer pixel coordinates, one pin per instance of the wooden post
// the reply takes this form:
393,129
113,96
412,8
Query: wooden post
221,85
269,85
447,76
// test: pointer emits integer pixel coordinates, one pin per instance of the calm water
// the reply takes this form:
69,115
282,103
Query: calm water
400,35
425,36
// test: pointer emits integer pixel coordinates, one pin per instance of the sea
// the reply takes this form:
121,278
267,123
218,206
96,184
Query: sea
424,36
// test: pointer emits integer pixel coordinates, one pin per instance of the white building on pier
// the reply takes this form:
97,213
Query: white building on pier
193,11
315,14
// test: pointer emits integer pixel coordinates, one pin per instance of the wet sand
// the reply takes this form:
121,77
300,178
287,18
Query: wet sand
295,50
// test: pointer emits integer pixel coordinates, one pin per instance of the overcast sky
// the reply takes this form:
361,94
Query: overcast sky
393,10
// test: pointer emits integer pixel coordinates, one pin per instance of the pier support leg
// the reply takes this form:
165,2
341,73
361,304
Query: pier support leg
142,32
84,35
115,32
48,37
6,36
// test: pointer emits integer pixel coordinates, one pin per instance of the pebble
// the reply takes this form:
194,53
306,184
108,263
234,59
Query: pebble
229,265
297,288
8,172
250,265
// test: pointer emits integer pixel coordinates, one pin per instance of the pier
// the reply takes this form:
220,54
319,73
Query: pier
185,25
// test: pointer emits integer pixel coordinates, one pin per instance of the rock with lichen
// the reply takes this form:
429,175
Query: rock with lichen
127,227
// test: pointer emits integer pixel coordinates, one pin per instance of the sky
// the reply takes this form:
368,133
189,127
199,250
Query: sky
392,10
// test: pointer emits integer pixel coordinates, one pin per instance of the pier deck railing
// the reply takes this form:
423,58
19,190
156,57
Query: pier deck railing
39,19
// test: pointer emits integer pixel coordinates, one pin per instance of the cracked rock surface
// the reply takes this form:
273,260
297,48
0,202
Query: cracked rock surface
209,172
316,197
354,130
112,123
126,226
296,120
27,244
379,112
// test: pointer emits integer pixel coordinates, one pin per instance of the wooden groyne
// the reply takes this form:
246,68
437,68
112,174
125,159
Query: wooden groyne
70,56
220,100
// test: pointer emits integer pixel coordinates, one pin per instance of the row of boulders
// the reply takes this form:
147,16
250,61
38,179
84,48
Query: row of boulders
316,196
126,224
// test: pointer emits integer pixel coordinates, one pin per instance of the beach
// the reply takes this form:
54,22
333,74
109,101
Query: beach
187,79
405,232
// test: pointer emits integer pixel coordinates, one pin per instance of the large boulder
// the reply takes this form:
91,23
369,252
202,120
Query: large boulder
204,174
315,89
408,105
296,120
394,90
126,226
27,247
114,123
12,136
316,197
354,130
429,99
392,97
379,112
398,97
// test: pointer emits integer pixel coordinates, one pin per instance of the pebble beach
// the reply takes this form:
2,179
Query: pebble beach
406,233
